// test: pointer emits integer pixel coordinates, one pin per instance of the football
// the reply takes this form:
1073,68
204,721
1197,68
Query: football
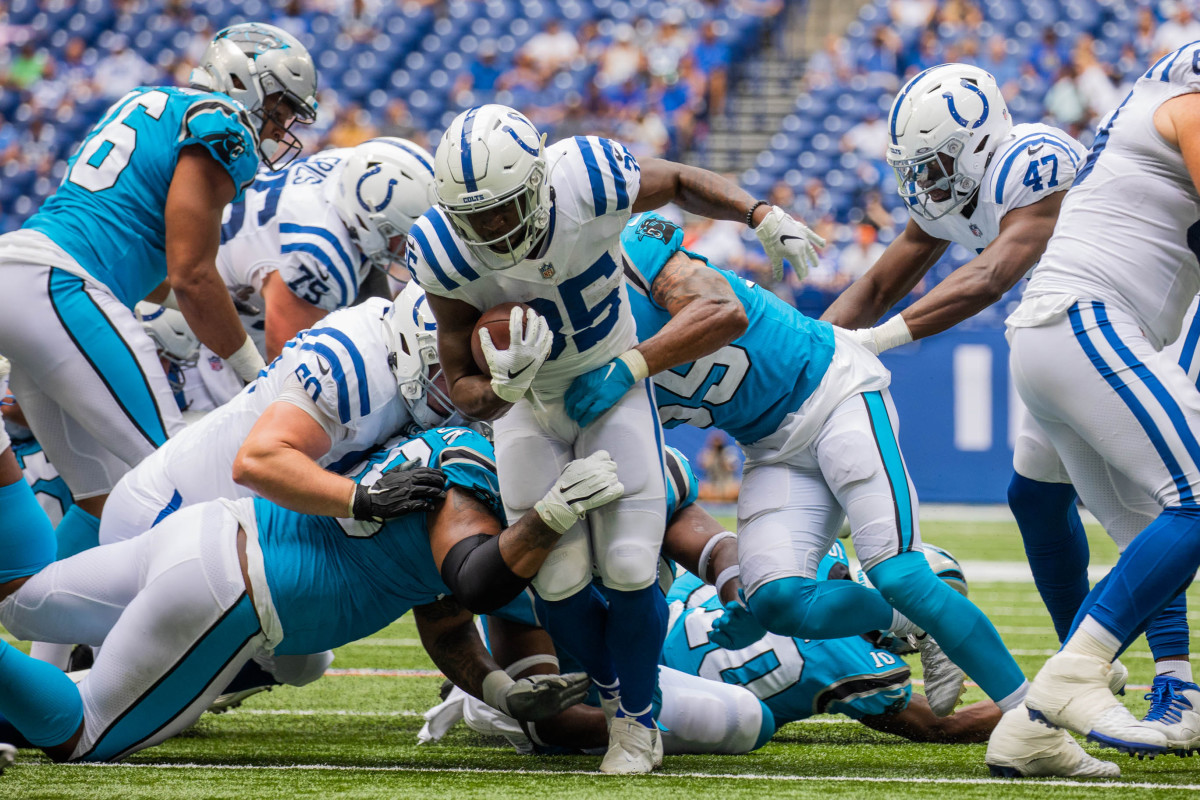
495,319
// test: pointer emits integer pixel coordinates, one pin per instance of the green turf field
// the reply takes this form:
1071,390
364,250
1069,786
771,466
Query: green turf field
354,735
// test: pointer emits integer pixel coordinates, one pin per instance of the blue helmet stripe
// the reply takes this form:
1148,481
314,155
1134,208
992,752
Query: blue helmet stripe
900,101
414,153
467,167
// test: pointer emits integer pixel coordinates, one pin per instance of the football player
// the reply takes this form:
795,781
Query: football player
140,203
1111,289
226,580
810,407
971,177
517,221
302,240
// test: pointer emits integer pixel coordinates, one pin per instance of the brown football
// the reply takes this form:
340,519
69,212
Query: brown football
495,319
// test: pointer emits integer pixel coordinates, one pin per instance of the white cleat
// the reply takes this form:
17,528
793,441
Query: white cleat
8,753
633,749
1175,710
1022,748
943,679
231,700
1072,691
1118,677
610,705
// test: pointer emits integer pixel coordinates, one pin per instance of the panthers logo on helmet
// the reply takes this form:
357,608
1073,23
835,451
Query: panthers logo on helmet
657,228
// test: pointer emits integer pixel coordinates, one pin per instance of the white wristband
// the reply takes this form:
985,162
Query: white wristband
636,363
727,574
892,333
246,361
706,553
495,684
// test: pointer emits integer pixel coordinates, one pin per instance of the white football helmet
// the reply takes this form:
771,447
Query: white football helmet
414,359
944,126
172,336
491,177
252,61
386,185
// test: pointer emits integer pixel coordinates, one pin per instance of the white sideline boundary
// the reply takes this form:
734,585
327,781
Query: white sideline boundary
694,775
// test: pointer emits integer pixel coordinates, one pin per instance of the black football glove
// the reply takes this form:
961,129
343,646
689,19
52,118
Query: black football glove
399,492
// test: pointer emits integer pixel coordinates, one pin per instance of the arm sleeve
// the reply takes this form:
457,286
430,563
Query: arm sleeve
224,129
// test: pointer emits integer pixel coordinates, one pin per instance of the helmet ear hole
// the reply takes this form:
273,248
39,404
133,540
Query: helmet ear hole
237,83
982,143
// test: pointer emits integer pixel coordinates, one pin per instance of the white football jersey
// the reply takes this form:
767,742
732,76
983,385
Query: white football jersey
574,279
342,363
288,224
1128,228
1032,162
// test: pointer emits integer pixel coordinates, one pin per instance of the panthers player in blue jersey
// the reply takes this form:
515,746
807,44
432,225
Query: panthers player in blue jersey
810,407
223,581
140,204
519,221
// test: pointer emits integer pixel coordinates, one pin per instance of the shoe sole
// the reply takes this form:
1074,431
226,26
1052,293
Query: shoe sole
1139,749
1004,772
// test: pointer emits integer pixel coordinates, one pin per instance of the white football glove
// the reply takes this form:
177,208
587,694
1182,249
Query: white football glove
585,484
528,345
785,237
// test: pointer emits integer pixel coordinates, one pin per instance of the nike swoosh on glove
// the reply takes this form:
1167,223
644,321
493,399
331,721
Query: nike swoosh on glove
786,238
593,393
529,344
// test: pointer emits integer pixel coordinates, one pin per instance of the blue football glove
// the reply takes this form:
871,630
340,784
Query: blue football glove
737,628
593,393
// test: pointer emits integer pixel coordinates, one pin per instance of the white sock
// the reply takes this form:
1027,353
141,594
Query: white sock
1015,698
1093,639
1176,668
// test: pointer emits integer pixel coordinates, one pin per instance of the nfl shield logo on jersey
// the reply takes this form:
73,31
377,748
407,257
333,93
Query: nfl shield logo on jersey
548,271
975,229
215,363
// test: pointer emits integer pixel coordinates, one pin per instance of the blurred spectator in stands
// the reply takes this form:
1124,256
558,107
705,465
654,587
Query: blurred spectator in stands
645,133
28,66
522,76
1002,64
712,59
75,69
624,100
759,8
550,50
678,97
1049,55
912,15
1064,102
880,61
875,213
670,44
621,60
360,18
123,70
719,464
813,204
293,18
720,241
398,120
868,138
929,53
1180,28
479,79
861,254
10,141
353,127
829,65
1094,82
1143,36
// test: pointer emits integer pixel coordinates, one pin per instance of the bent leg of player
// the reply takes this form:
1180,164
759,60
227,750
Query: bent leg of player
529,459
860,457
1140,421
1042,500
177,623
90,382
626,540
702,716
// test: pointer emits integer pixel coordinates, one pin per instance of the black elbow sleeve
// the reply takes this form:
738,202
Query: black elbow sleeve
476,574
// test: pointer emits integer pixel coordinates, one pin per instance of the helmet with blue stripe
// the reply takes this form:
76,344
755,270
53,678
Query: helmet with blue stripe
944,126
491,177
414,359
386,185
252,62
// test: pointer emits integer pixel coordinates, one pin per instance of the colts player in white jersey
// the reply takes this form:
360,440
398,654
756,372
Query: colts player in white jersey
303,239
1111,290
517,221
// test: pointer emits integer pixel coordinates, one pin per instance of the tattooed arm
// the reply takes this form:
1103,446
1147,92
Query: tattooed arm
705,313
449,635
699,191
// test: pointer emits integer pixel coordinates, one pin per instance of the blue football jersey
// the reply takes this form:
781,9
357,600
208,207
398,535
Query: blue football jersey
51,490
334,581
747,387
108,211
796,678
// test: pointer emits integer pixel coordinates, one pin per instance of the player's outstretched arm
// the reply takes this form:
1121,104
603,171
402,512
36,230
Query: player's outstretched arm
706,315
984,279
898,270
200,189
486,567
703,547
708,194
470,390
916,722
449,635
285,314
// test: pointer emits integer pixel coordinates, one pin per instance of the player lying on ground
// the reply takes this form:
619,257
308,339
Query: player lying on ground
220,582
519,221
810,407
971,177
